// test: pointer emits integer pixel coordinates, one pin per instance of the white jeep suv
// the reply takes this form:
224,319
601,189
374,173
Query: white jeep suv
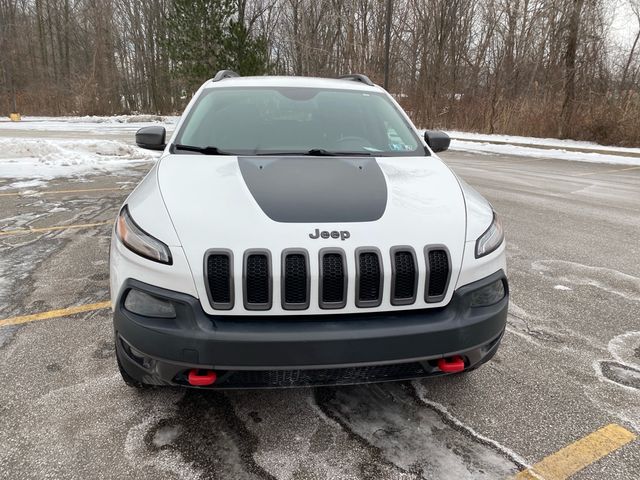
300,231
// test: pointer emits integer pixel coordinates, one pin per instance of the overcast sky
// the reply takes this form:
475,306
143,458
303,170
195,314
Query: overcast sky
624,25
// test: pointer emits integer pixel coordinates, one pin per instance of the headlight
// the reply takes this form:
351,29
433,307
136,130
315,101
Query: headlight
139,241
488,295
142,303
491,239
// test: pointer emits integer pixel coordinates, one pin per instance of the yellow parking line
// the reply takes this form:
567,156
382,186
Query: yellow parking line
19,231
63,312
52,192
579,454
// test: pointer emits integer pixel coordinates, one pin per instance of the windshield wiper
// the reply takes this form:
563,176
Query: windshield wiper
204,150
321,152
317,152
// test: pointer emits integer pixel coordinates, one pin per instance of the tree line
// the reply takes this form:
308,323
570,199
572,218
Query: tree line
528,67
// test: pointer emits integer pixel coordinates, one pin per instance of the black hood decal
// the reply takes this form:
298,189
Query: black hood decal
316,189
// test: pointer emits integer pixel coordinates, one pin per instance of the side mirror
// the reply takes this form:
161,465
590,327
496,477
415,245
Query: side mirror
151,138
438,141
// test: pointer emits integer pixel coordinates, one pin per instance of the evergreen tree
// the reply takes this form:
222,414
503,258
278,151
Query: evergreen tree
245,54
203,37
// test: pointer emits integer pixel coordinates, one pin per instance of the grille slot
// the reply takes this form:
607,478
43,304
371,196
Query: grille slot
333,279
257,280
404,281
295,280
369,277
438,272
218,265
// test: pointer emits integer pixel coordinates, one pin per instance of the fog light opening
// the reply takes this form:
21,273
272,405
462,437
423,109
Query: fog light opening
489,294
137,356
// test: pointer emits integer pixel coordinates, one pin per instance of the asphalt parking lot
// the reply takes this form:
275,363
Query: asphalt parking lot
568,367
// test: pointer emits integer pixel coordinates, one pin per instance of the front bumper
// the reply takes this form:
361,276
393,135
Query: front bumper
268,351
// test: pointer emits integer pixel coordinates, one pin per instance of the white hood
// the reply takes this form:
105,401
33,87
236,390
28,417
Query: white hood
214,204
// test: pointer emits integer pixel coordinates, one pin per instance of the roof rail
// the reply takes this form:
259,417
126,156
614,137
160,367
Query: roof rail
357,77
222,74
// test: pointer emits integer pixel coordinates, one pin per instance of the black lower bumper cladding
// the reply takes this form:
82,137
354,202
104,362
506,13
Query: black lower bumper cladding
307,350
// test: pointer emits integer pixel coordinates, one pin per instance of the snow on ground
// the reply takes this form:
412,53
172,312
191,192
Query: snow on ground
543,148
79,147
554,153
37,160
104,124
546,142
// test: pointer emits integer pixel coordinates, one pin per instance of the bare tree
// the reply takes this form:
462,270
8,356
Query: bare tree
531,67
570,69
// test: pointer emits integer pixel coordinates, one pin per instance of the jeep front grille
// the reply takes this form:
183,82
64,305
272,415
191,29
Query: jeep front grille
368,278
404,278
296,278
219,278
333,279
257,280
438,272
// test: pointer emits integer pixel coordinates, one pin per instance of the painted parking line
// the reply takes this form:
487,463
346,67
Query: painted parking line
55,192
62,312
616,170
26,230
579,454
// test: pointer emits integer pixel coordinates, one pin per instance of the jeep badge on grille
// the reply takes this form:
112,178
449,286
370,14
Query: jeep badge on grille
342,234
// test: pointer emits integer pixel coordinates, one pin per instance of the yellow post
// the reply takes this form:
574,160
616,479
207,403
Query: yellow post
15,117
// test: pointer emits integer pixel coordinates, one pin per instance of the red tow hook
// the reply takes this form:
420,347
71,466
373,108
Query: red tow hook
451,364
201,378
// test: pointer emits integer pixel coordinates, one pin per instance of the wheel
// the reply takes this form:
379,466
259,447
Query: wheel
128,379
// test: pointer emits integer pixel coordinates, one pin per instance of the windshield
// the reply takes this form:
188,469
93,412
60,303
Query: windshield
281,120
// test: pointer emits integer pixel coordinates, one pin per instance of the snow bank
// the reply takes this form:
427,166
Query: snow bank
145,118
542,148
118,119
100,124
39,159
546,142
517,150
67,150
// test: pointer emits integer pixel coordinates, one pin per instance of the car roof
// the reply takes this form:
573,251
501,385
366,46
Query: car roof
278,81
